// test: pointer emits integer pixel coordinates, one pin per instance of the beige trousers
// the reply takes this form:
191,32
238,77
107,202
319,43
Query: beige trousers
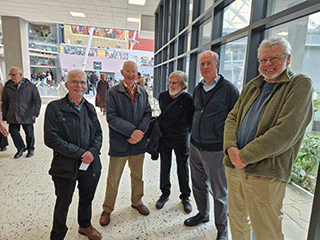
255,203
116,166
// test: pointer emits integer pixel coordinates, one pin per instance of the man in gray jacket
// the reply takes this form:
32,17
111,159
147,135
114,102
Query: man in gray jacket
21,105
128,115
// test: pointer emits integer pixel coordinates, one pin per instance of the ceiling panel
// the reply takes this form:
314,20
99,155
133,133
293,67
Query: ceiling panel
105,13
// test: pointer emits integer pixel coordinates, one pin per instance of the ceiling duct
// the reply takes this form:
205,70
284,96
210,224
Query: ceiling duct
146,26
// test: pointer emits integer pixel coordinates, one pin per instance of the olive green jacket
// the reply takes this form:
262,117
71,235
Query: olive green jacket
281,127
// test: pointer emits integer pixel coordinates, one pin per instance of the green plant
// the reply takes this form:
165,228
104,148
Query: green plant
316,101
304,171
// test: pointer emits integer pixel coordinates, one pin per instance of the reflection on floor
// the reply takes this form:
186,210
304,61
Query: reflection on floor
27,201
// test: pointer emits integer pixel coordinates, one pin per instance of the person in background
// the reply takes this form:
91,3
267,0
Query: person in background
72,130
3,126
175,125
214,97
102,88
93,82
128,117
21,105
141,82
262,137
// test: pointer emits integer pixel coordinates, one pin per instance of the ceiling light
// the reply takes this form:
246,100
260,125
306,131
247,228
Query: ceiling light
129,19
283,33
137,2
77,14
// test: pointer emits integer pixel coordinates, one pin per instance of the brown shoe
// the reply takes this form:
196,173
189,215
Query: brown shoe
105,218
142,209
90,232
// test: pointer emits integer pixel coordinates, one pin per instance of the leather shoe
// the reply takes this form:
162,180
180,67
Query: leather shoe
195,220
90,232
186,205
30,153
105,218
19,153
161,201
142,209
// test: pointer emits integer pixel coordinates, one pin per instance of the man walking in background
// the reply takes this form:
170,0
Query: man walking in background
21,105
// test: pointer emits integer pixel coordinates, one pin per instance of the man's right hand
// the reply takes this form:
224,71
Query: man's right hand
136,136
235,157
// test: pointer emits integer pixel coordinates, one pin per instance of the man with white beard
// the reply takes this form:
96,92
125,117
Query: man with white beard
175,124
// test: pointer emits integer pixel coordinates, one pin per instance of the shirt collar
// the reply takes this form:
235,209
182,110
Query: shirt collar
130,90
208,87
75,105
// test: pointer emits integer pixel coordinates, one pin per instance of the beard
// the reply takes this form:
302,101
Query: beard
273,77
173,93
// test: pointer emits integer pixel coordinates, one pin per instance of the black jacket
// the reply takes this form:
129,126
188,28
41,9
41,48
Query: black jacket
209,118
21,105
70,133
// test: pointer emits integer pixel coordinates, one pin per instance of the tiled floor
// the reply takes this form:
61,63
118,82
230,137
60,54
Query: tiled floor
27,201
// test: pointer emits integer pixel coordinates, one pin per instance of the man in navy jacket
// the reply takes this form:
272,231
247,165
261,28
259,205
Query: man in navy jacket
128,116
214,97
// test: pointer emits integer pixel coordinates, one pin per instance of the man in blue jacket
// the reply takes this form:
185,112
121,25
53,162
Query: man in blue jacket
73,131
214,97
128,115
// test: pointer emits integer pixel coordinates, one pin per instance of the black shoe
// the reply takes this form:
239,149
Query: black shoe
30,153
195,220
186,205
161,201
19,153
3,149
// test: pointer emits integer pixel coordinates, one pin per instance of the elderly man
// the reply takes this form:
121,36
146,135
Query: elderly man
214,97
72,130
21,105
175,124
128,116
262,137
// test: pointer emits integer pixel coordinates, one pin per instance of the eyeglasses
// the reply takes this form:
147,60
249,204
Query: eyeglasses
174,83
13,74
82,83
272,59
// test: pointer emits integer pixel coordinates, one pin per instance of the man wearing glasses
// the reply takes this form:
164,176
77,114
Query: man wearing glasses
73,131
21,105
262,138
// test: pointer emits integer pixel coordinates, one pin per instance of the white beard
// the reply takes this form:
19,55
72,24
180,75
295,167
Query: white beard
175,92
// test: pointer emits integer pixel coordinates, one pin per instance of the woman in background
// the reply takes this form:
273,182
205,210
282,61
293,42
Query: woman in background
102,89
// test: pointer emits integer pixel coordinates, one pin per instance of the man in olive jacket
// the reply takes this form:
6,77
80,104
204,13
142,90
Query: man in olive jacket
73,131
262,137
21,105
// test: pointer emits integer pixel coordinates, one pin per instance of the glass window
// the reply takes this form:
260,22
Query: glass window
206,4
190,12
236,16
232,61
205,32
276,6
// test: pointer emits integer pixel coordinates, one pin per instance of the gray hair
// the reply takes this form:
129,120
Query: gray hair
19,70
74,72
273,42
183,79
216,55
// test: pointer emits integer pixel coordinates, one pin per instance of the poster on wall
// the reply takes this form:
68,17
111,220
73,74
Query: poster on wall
113,34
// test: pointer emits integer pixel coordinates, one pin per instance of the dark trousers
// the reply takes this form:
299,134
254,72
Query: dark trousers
14,130
64,188
181,150
3,141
